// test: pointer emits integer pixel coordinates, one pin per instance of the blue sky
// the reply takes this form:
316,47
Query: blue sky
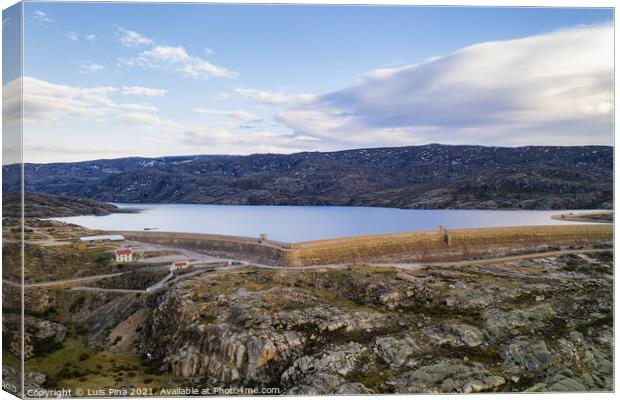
112,80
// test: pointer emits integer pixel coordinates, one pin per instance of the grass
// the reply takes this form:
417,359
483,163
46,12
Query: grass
58,262
77,365
11,261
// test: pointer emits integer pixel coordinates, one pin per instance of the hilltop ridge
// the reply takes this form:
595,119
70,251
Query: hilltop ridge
417,177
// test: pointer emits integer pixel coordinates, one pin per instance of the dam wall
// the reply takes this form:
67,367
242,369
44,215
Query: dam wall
445,245
422,246
234,247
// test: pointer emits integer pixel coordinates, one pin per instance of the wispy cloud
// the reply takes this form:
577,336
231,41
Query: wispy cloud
269,98
42,149
209,51
72,36
91,37
46,102
51,104
169,58
553,88
41,17
143,91
239,115
133,39
176,59
90,66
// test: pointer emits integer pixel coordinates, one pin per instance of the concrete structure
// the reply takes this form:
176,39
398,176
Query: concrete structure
124,255
262,237
102,238
422,246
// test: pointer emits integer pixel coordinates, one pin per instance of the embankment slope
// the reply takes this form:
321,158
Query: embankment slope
450,245
423,246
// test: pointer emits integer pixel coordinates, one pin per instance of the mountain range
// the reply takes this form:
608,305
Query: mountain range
424,177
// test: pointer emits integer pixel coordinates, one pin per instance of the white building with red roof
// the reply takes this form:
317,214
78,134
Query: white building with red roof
179,265
124,255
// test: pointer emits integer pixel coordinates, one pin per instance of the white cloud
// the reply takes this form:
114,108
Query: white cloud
72,36
41,17
141,118
209,51
239,115
54,105
91,37
89,66
143,91
46,102
170,58
270,98
176,59
11,102
37,149
554,89
133,39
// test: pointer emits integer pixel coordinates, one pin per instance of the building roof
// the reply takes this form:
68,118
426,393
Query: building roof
102,237
123,252
179,263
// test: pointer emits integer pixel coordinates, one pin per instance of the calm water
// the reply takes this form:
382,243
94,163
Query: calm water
300,223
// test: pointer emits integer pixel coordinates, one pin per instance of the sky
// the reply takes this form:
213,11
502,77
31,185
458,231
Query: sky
115,80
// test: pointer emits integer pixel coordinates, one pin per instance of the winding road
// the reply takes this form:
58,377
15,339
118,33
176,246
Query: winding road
242,264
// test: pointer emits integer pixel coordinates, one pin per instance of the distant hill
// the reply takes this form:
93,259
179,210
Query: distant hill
43,205
430,176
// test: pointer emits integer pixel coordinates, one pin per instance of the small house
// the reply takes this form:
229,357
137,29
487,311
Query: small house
124,255
179,265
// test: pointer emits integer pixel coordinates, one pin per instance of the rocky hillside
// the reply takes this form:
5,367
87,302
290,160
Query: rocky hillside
431,176
41,205
542,324
533,325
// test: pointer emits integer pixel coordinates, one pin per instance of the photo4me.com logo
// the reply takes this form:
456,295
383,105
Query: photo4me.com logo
141,392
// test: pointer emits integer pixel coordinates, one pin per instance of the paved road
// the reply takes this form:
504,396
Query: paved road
166,281
519,257
111,275
107,290
73,280
406,266
414,266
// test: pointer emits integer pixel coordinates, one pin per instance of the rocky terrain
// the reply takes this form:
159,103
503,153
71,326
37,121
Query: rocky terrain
41,205
541,324
430,176
596,216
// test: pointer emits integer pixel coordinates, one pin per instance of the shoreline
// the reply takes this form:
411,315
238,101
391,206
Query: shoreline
598,217
145,205
323,222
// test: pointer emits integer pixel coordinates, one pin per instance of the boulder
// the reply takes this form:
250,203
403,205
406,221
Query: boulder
395,350
449,376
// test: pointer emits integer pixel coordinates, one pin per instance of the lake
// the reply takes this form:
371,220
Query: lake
303,223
